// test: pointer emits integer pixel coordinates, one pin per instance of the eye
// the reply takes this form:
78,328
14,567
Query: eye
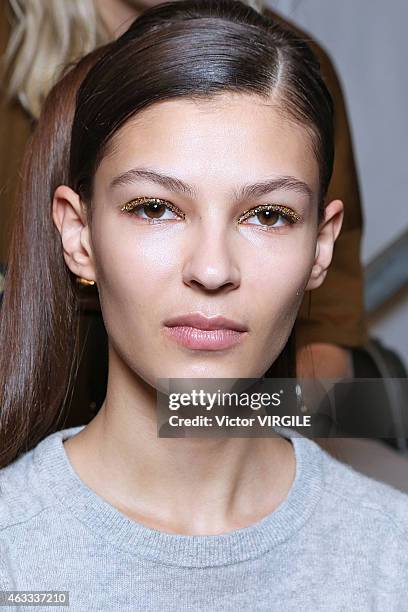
153,208
269,216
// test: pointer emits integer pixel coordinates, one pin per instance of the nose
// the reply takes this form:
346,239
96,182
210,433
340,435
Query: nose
212,262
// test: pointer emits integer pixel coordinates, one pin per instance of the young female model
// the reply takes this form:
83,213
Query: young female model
191,189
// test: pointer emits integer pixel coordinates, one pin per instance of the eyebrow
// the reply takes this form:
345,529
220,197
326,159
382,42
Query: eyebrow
254,190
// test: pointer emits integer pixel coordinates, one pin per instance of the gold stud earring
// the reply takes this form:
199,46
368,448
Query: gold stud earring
84,282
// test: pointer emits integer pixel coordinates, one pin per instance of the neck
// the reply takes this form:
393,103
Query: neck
181,485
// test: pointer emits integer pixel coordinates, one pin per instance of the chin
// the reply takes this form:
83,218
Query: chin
210,369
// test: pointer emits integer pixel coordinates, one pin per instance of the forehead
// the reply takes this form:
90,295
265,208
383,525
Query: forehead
222,137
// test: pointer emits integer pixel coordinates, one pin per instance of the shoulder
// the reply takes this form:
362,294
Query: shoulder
374,504
22,493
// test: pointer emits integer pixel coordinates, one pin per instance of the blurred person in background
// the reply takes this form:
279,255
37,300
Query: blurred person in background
38,40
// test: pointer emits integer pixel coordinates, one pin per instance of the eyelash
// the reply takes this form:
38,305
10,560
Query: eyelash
285,212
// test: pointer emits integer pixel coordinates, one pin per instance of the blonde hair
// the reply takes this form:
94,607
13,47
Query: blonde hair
47,35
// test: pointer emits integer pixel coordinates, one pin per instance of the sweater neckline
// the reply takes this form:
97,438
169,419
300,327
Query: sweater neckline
182,550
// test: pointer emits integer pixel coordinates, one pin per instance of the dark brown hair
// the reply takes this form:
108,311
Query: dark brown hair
198,49
191,48
39,315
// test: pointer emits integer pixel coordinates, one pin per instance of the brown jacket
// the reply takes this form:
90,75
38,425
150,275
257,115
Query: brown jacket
15,128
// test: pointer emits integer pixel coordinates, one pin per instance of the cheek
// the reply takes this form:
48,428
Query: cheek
276,278
133,266
277,264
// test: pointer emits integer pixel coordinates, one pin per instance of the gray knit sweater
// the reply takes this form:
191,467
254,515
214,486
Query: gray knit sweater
339,541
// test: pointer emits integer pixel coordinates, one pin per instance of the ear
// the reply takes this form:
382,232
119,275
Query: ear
69,216
327,234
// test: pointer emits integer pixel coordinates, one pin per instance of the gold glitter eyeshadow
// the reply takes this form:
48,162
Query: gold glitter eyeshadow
129,206
290,215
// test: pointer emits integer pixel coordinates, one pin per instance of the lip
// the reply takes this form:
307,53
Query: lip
199,332
200,321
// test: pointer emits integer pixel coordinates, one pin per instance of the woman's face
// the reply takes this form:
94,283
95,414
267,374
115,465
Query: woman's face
193,253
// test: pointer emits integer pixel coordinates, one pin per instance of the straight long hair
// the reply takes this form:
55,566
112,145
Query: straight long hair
39,314
194,49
